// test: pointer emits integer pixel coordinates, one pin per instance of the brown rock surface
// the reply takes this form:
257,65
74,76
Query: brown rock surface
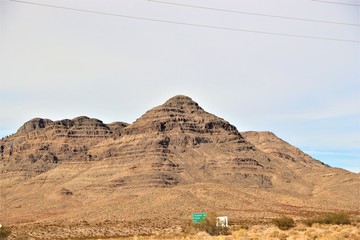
42,144
174,160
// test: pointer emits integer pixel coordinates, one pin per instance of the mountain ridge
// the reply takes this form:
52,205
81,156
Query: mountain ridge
173,160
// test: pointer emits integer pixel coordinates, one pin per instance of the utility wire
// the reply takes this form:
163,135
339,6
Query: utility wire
253,13
340,3
189,24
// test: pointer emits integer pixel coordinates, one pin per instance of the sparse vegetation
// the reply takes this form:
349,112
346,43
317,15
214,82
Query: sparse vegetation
253,231
284,223
208,226
337,218
4,232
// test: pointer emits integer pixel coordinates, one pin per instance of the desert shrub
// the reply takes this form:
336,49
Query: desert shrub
240,226
337,218
4,232
284,223
209,226
309,222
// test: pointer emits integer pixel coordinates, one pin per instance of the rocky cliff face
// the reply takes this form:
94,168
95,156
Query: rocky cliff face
41,144
178,142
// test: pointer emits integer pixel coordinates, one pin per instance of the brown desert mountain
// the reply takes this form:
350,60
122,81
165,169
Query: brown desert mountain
174,160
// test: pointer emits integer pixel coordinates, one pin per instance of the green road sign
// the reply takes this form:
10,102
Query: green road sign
198,217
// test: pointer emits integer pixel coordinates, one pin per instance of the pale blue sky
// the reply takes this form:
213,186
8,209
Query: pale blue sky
58,63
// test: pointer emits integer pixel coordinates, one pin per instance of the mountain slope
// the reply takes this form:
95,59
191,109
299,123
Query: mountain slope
331,186
178,142
174,160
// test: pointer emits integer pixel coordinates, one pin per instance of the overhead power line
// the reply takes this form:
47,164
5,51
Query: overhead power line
253,13
189,24
340,3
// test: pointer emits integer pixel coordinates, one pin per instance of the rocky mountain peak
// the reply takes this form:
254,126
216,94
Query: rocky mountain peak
181,115
181,101
34,124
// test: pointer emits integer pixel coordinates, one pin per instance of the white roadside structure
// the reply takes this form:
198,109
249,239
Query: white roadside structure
222,221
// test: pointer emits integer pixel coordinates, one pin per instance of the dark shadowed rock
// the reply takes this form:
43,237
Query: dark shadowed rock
34,124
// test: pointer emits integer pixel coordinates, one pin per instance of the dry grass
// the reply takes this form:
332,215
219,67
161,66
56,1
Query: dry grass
255,232
261,232
330,218
317,231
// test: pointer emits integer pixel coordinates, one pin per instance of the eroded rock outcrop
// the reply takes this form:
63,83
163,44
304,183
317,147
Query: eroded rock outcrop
41,144
179,142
